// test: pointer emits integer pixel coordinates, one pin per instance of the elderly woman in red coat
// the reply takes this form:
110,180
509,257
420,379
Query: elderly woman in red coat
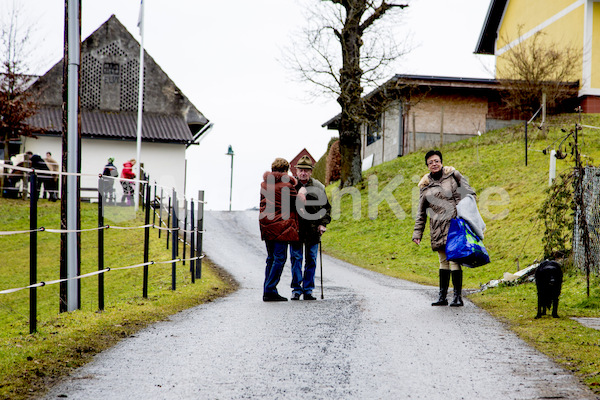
278,223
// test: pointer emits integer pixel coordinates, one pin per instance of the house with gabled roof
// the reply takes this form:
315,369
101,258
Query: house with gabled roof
415,112
576,23
109,78
295,160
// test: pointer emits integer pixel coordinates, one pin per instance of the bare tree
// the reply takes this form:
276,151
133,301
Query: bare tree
537,66
16,105
347,48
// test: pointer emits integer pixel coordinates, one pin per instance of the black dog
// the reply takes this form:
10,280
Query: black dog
548,279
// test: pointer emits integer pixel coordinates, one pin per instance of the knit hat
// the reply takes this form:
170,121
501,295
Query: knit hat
111,160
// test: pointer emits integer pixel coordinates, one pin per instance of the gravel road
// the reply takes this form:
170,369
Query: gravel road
371,337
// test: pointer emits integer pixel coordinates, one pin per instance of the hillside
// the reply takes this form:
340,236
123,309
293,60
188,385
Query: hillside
509,196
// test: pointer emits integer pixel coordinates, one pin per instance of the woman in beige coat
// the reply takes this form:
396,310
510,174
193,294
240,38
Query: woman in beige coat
440,191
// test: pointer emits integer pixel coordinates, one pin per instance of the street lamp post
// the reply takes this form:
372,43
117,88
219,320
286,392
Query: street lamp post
230,153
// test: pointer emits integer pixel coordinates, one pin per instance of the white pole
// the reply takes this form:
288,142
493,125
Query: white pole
72,156
552,173
138,159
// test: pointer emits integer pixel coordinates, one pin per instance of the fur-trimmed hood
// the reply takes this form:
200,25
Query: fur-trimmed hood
426,179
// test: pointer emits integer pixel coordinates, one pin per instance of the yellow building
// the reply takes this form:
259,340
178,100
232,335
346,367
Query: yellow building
573,23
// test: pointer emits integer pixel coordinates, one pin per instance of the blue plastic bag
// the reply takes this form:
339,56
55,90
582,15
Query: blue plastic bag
465,247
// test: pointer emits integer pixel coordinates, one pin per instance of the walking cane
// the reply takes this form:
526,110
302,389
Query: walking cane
321,256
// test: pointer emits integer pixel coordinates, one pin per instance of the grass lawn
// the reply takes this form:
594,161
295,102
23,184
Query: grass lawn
377,236
65,341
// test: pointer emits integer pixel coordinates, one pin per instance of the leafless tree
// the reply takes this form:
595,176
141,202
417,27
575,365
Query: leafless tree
347,46
16,105
537,66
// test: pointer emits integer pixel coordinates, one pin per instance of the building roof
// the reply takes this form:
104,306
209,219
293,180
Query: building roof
489,32
399,81
109,86
121,126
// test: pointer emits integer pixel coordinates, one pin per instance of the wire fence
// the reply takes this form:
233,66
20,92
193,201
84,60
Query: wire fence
586,232
182,226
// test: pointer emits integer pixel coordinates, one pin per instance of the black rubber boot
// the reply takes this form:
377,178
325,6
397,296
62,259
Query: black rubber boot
457,283
444,282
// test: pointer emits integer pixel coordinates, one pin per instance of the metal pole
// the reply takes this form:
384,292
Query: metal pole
192,242
230,153
73,8
185,219
525,143
199,233
146,245
169,211
174,247
33,252
160,211
321,257
100,246
231,183
153,202
140,110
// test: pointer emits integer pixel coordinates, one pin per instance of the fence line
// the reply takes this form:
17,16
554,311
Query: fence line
172,226
49,230
94,273
44,172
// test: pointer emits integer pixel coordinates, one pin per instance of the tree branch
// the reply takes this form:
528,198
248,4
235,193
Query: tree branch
378,13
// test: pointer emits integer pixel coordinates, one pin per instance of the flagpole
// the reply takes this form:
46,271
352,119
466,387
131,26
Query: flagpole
138,162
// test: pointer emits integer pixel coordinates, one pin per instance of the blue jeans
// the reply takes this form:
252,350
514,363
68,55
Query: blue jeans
303,283
276,257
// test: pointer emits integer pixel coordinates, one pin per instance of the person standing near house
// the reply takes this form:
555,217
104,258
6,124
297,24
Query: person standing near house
278,223
440,191
52,183
108,185
37,162
128,186
314,216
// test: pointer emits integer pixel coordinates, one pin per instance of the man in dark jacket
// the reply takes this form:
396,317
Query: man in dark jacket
278,223
107,186
314,215
36,162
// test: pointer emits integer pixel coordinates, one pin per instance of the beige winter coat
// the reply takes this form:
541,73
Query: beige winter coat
439,200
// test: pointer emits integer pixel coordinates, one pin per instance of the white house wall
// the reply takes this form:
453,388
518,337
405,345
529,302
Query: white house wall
165,163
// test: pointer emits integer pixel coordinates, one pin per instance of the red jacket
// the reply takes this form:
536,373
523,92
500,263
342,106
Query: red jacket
127,171
278,218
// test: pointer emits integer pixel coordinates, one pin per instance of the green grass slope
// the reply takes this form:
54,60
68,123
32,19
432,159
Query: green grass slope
28,363
377,236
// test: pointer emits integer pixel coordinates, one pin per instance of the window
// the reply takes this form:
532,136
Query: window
111,72
374,130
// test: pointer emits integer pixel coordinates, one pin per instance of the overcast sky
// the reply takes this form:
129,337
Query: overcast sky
224,55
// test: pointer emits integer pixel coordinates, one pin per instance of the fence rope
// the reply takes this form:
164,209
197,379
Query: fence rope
46,283
42,229
74,230
18,232
47,172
